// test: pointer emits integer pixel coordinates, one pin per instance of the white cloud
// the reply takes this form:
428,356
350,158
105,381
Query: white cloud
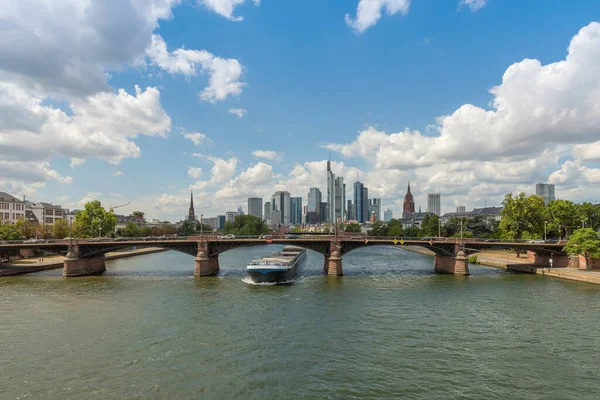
587,152
101,125
194,173
537,107
30,172
225,7
118,173
369,12
65,47
238,112
224,74
267,154
474,5
197,137
572,174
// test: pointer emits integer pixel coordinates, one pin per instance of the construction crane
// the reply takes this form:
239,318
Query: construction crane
111,207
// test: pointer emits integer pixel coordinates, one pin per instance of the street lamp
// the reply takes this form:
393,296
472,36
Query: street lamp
544,230
99,231
201,226
461,232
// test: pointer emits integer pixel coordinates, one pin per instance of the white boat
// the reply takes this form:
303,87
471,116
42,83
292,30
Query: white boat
278,267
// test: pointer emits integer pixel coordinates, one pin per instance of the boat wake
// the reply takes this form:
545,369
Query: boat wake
249,281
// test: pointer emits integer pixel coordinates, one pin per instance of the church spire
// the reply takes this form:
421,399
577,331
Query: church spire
191,213
408,186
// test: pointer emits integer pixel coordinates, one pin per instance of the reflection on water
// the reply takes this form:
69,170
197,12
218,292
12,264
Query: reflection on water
390,328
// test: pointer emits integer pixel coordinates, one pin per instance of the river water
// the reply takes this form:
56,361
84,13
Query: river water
389,329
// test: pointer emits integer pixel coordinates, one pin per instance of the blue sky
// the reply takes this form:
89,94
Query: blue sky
306,81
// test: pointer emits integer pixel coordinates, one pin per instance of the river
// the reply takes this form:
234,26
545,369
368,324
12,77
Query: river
389,329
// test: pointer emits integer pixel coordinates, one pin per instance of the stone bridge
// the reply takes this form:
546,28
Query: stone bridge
86,257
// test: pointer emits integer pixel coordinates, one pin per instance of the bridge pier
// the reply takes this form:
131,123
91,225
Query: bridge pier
333,264
205,265
543,260
83,266
456,265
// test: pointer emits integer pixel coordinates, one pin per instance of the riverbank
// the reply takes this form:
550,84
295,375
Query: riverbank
509,261
31,265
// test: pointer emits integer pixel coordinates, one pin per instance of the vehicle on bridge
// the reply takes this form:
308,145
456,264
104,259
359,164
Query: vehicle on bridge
227,237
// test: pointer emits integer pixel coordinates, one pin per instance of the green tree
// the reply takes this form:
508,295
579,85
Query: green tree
296,229
164,228
584,241
395,227
60,229
480,226
94,220
352,227
44,231
563,217
131,229
430,225
378,228
589,214
9,231
205,228
413,231
522,215
138,214
452,226
187,228
26,228
246,225
464,234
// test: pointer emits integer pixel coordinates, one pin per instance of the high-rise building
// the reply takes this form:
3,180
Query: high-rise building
365,206
255,206
323,211
220,221
340,199
240,210
387,215
281,202
434,205
461,209
409,204
330,194
313,212
350,210
275,218
191,213
230,216
361,202
267,213
295,210
546,191
375,207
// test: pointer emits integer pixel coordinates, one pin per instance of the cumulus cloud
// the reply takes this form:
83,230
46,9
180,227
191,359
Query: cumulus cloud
30,172
587,152
224,74
267,154
226,7
194,173
474,5
536,108
238,112
197,137
369,12
572,173
101,125
118,173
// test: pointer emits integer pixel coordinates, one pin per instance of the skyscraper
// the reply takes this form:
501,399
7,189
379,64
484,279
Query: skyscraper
361,202
281,202
323,212
375,207
546,191
350,210
267,214
409,204
255,206
340,199
191,213
330,194
313,212
295,210
434,204
387,215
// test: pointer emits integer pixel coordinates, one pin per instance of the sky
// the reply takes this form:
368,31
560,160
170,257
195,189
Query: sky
139,102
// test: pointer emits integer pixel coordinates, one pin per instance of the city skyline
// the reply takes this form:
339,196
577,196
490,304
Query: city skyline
137,118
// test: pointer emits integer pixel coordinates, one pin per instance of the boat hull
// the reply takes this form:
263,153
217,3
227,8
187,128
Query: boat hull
276,275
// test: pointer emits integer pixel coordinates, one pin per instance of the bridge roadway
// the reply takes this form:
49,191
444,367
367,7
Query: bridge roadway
86,257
